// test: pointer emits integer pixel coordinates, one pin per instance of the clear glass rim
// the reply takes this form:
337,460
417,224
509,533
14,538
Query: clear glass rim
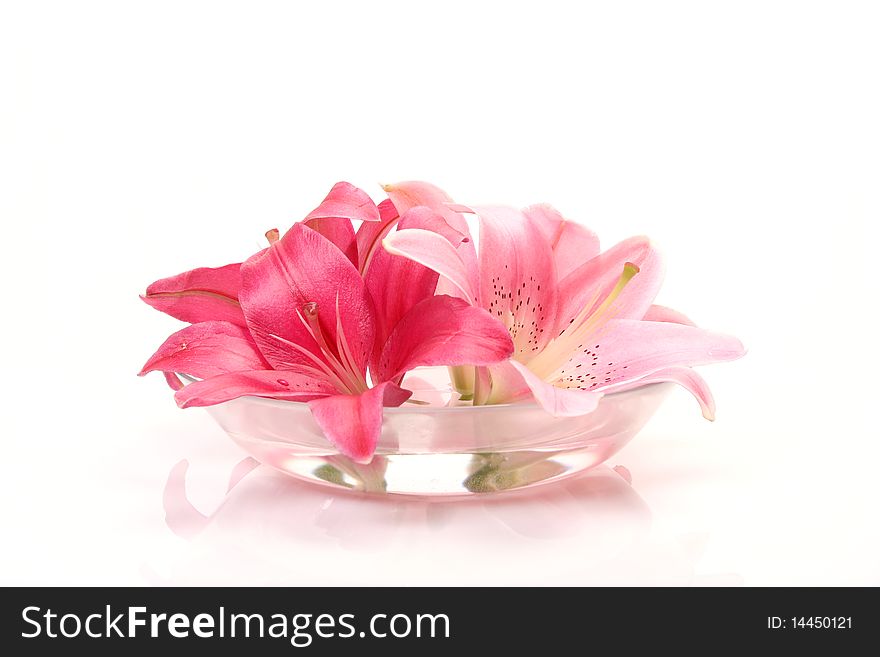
282,403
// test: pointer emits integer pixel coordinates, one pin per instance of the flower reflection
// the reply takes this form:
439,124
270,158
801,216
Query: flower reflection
272,529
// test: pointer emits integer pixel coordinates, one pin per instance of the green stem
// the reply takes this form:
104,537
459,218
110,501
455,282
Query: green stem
462,377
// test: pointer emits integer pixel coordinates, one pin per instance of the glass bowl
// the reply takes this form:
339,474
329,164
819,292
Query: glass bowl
429,449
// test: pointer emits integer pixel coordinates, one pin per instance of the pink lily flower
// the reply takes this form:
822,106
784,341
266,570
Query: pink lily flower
582,322
302,322
207,293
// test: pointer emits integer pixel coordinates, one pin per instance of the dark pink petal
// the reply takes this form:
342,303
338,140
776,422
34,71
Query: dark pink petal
353,422
299,269
572,243
410,194
683,376
626,350
370,234
395,283
591,283
434,252
199,295
207,349
559,402
173,380
278,384
663,314
517,277
339,231
345,201
442,330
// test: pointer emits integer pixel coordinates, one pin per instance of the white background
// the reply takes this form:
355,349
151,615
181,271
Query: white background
138,140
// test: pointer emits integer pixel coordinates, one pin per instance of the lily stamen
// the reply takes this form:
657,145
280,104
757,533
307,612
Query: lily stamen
340,359
557,353
344,350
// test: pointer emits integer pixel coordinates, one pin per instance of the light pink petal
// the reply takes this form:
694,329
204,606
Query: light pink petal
434,252
442,330
429,219
572,243
506,384
625,350
288,385
353,422
395,283
370,233
559,402
683,376
199,295
663,314
410,194
482,387
207,349
591,283
303,268
345,201
517,277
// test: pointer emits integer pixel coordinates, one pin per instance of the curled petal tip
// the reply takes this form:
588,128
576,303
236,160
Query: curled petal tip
731,351
183,402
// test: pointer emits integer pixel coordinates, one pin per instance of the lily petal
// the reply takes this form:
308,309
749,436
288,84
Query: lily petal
370,233
339,231
353,422
559,402
410,194
572,243
626,350
663,314
199,295
396,284
517,277
442,330
434,252
683,376
300,269
173,381
207,349
593,281
345,201
289,385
